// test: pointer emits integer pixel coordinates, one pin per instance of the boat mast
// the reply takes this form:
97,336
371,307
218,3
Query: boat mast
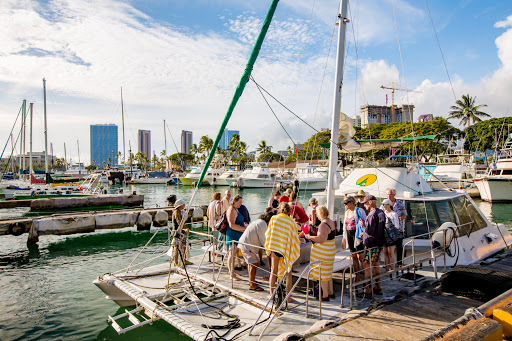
24,133
165,147
338,85
65,158
31,169
23,110
45,130
12,153
79,166
122,119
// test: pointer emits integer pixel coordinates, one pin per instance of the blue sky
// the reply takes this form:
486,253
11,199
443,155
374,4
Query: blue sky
181,61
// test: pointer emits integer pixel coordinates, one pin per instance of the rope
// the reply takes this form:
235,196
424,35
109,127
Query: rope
440,50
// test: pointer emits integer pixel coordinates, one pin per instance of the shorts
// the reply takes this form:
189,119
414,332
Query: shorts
351,237
375,254
278,254
250,257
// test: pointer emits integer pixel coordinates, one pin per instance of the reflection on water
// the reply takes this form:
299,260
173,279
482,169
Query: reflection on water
47,291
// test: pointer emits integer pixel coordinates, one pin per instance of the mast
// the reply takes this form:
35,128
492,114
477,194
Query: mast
12,153
31,169
338,85
79,166
65,158
122,119
23,110
165,147
51,153
45,130
24,133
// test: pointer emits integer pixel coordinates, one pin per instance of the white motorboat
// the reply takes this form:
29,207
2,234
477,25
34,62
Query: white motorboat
428,210
260,177
496,186
309,177
150,178
226,178
452,171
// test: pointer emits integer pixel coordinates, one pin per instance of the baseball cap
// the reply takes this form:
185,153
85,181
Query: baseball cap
368,197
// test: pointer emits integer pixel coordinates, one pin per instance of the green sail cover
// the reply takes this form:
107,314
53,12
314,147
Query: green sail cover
240,88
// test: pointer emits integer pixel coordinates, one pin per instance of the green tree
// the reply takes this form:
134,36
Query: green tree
269,157
466,110
194,152
483,135
205,145
263,148
181,159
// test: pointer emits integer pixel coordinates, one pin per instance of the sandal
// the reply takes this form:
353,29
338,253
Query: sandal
258,288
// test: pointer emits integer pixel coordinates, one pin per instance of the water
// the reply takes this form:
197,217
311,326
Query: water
47,291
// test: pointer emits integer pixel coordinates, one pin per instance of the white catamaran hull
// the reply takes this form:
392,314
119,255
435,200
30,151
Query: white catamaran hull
495,189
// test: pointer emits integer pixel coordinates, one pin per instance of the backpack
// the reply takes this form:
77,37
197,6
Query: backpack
391,233
221,224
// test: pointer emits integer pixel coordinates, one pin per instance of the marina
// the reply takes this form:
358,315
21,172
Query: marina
336,217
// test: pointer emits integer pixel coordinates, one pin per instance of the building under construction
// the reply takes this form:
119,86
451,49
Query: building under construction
386,114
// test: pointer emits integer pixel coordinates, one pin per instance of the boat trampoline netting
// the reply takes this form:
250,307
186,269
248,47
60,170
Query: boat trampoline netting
476,282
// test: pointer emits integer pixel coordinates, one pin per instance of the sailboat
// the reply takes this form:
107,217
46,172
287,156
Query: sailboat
200,299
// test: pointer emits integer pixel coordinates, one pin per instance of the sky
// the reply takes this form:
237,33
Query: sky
181,61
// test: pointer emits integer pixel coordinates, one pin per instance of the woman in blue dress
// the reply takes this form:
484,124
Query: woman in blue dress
236,227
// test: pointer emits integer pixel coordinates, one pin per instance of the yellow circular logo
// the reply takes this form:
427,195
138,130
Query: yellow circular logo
366,180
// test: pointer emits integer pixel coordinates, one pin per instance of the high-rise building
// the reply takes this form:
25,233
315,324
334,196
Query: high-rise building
356,121
385,114
226,138
103,144
144,142
186,141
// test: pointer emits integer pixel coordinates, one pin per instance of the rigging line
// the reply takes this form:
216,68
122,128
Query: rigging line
358,70
440,50
12,129
173,141
259,89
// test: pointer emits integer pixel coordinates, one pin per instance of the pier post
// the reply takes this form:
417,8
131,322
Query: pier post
33,237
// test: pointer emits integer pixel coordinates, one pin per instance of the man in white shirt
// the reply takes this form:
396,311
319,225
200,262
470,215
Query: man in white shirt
225,201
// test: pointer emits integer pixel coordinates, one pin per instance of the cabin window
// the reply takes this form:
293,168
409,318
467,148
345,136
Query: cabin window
421,218
444,211
466,216
507,172
262,176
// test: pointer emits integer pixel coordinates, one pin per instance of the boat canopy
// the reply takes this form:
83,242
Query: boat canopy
364,145
376,181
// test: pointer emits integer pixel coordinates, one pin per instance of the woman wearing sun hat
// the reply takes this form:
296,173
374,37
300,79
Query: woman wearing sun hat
360,198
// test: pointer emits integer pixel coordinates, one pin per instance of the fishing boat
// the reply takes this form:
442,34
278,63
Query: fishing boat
226,178
202,301
260,176
496,186
452,171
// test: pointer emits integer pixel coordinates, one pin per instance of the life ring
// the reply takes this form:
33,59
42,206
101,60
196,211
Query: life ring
17,229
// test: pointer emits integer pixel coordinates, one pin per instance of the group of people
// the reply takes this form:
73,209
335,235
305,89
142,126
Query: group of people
367,231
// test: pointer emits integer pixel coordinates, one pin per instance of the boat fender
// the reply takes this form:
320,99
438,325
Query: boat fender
120,191
197,213
104,191
443,236
17,229
161,218
144,221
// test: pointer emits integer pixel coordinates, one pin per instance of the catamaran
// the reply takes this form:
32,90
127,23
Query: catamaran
203,303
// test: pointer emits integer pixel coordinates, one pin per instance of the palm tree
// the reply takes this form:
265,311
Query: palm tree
263,147
467,111
205,145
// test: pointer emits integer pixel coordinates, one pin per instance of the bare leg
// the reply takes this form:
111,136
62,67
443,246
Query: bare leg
325,288
367,274
273,271
252,275
331,288
387,260
260,254
357,268
231,261
289,284
392,259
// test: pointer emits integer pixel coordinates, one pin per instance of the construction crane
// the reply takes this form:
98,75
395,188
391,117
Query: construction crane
392,88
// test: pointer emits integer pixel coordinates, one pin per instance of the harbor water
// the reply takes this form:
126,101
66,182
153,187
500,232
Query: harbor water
47,291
